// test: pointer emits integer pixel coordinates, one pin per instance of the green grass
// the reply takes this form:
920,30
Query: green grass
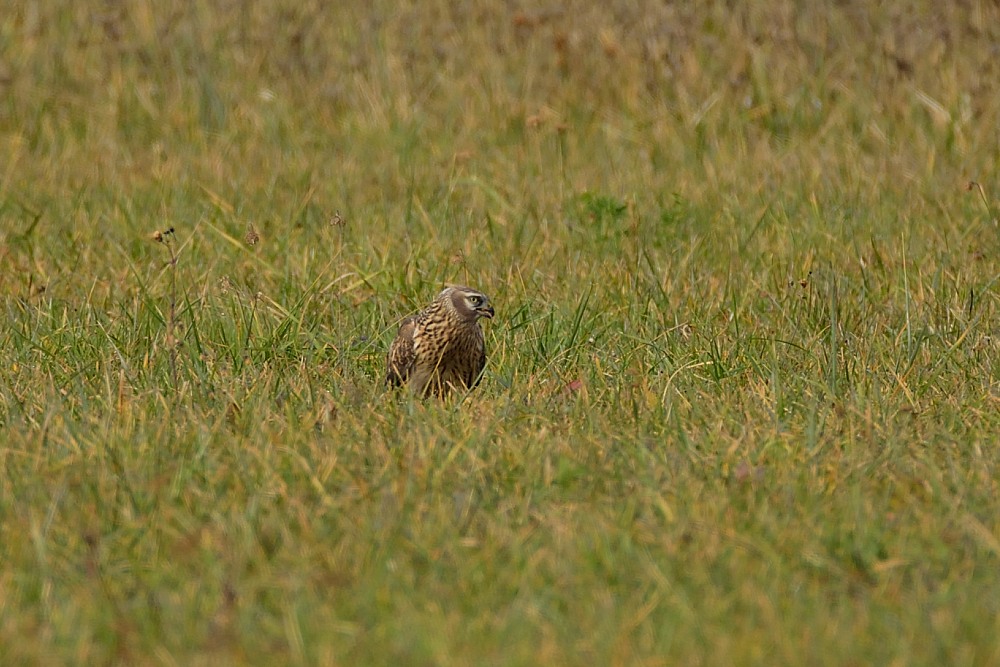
742,404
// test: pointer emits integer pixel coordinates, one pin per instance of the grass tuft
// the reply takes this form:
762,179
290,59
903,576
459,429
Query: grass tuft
741,398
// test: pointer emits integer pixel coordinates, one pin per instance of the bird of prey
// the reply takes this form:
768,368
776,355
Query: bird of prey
441,348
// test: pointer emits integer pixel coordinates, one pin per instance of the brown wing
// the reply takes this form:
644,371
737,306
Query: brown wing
400,360
476,358
479,366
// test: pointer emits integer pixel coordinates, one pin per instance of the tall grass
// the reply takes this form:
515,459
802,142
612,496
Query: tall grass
741,399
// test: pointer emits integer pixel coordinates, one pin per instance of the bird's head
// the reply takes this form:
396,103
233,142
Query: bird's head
468,304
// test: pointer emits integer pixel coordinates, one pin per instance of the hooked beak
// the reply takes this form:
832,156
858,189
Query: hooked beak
486,312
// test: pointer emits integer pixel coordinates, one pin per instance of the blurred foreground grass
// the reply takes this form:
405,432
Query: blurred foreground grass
742,400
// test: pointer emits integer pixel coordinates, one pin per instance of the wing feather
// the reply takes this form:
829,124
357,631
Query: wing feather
475,357
401,359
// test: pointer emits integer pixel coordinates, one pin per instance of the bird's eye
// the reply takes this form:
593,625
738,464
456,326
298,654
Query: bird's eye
476,300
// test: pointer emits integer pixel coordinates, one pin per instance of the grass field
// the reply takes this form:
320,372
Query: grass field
742,404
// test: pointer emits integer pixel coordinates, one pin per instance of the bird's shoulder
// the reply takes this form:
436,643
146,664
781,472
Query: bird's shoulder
431,323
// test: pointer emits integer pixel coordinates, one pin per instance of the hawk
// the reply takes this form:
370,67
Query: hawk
441,348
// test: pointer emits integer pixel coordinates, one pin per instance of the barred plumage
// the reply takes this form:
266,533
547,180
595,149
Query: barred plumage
442,347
